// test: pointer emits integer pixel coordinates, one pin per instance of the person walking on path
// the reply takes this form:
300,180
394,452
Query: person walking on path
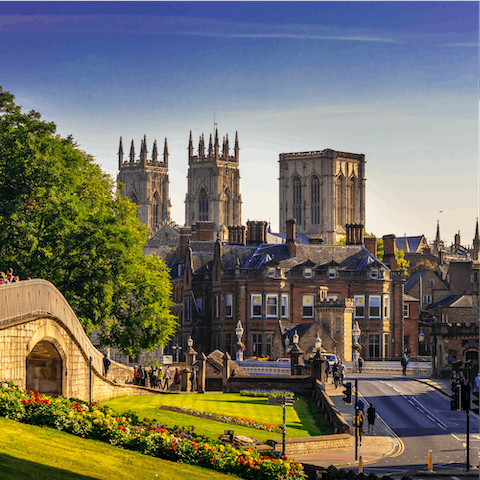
327,370
177,379
404,362
193,379
167,377
360,364
106,365
371,418
358,425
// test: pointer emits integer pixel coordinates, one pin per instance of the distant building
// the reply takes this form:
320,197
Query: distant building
323,190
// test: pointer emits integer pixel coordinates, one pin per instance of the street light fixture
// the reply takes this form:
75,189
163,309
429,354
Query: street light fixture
239,333
421,340
287,343
318,344
176,349
295,338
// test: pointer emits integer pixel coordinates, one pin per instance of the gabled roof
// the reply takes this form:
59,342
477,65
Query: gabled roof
415,278
412,242
454,301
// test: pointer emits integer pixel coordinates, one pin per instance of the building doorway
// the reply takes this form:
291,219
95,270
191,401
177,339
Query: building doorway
44,369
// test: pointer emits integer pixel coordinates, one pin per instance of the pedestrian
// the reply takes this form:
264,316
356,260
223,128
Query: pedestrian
342,372
371,418
106,365
361,405
193,380
177,378
404,362
358,424
336,375
360,364
327,370
141,376
135,375
166,378
477,383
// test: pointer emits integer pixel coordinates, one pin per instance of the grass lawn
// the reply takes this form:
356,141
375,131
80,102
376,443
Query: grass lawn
300,418
28,452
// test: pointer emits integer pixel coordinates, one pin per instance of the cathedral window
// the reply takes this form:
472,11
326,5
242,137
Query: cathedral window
203,206
340,201
297,200
315,200
351,200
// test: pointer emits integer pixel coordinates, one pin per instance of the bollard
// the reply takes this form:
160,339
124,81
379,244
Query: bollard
360,464
430,461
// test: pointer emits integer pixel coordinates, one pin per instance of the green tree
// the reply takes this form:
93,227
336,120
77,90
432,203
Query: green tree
402,264
422,266
62,220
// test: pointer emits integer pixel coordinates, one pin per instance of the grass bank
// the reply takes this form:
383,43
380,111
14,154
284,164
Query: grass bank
300,419
29,452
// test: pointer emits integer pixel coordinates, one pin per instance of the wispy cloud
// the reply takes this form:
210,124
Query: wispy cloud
178,25
460,44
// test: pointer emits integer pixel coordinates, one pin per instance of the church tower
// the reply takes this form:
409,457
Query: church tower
214,185
324,191
145,182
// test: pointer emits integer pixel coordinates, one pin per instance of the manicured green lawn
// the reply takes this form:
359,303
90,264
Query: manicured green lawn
299,419
28,452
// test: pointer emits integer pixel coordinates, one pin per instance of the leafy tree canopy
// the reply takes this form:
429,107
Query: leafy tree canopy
61,219
422,266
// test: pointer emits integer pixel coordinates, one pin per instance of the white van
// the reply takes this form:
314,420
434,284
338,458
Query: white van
331,359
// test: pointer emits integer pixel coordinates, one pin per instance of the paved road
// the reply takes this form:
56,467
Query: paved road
421,420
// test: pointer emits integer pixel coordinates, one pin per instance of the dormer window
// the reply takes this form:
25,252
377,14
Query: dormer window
374,274
271,272
332,273
308,272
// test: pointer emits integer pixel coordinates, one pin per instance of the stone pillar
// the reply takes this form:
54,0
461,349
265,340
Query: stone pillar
226,369
296,362
318,368
202,365
191,355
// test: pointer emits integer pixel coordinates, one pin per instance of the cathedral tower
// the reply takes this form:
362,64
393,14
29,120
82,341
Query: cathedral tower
323,191
214,185
145,182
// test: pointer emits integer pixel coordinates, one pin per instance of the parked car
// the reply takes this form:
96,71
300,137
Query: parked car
283,360
331,358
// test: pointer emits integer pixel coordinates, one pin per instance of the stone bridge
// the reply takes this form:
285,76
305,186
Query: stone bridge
44,348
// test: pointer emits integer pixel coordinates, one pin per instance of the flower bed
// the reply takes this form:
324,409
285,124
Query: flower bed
178,444
266,393
221,417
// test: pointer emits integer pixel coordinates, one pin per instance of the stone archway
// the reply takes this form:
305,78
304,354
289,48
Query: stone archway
44,369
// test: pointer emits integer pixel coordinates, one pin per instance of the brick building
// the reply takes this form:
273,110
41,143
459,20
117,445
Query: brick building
216,285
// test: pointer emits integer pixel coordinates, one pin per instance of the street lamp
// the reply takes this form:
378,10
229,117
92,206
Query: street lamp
295,338
318,344
421,340
356,332
239,333
176,349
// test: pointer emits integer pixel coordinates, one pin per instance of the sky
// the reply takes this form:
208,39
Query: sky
395,81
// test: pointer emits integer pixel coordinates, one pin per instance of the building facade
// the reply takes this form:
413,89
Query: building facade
261,285
145,182
323,190
213,193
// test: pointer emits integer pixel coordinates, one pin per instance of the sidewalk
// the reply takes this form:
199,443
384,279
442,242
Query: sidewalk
373,447
382,443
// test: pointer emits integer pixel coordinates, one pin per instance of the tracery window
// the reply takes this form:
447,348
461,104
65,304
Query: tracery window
315,200
203,206
297,200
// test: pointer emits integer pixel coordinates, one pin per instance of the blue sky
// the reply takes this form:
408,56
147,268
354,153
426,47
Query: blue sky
396,81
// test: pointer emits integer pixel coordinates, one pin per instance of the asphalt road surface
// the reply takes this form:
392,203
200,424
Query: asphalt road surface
420,418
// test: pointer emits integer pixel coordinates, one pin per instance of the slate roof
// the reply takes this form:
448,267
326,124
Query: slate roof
415,278
413,242
454,301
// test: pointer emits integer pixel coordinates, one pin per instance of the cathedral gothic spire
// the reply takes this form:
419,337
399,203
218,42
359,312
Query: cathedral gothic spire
143,151
132,153
227,148
120,153
237,148
165,153
154,152
190,145
210,147
217,146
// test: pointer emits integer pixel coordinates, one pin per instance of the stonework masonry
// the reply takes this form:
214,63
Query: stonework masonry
34,313
323,190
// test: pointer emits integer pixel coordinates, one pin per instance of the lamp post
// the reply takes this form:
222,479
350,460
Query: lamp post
176,348
239,333
318,345
287,343
421,341
356,332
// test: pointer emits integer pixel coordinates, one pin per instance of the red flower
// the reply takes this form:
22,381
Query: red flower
174,447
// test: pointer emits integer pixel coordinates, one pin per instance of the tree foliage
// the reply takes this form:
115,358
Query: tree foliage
61,219
422,266
402,264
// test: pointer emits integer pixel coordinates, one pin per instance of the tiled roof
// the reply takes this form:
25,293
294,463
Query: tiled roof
454,301
413,242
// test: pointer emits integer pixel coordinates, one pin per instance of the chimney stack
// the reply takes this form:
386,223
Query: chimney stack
291,234
389,252
371,245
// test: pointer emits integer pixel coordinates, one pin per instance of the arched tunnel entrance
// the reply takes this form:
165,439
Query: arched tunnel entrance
44,369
